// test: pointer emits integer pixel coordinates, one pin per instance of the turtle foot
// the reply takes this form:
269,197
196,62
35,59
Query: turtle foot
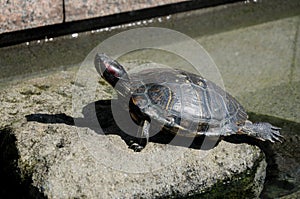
263,131
136,147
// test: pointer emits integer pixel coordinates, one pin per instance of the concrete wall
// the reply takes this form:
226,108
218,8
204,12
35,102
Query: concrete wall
22,14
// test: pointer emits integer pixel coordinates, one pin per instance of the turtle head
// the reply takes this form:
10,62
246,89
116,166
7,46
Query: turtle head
110,69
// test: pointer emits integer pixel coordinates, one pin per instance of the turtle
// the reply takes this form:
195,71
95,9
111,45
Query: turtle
181,102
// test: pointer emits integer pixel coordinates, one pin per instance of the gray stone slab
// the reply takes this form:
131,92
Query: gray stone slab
65,161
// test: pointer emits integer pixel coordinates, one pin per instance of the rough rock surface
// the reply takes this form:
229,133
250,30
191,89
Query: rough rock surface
65,161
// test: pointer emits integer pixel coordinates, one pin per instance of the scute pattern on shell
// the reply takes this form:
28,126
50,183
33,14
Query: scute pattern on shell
191,101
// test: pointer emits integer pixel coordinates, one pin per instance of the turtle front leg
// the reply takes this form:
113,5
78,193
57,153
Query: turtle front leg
262,131
143,132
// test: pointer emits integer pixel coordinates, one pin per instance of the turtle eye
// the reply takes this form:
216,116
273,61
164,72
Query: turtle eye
113,69
109,69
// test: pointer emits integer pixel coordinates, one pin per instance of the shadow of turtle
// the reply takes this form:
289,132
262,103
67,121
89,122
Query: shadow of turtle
98,117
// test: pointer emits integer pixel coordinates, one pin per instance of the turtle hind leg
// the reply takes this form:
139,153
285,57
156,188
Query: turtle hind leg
262,131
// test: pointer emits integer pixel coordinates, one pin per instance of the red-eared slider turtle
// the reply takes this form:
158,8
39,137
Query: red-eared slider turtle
181,102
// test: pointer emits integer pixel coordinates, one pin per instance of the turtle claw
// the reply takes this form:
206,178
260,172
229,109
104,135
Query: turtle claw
277,137
273,137
271,133
263,131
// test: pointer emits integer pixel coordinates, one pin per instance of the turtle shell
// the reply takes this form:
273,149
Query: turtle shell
190,101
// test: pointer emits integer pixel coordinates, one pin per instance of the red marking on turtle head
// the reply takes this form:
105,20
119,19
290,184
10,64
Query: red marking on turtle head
109,69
